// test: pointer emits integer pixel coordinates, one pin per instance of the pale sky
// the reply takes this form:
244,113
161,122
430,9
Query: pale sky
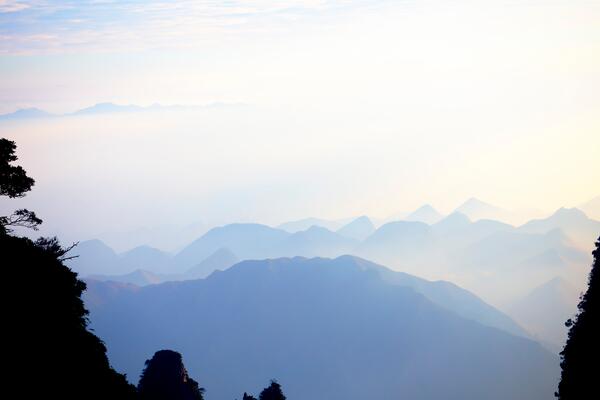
351,107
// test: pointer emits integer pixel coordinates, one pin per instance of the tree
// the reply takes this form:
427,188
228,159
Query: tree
165,378
22,217
581,354
14,182
248,397
51,353
272,392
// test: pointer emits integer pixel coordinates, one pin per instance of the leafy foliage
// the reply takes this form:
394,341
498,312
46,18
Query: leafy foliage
22,217
14,181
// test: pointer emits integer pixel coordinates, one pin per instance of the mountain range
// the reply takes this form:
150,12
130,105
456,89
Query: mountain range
106,108
476,209
545,310
568,233
304,224
496,261
219,260
325,329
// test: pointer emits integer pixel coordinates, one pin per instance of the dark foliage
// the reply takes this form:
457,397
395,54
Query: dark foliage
248,397
581,355
14,181
272,392
165,378
56,356
23,218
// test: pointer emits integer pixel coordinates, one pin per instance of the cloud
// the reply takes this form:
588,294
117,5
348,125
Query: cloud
110,25
11,6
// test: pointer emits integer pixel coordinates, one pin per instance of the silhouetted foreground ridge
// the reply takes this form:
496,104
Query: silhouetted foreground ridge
48,325
581,355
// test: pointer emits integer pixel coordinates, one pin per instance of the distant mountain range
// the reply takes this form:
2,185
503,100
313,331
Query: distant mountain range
545,310
476,209
473,208
220,260
107,108
572,221
499,262
326,329
26,113
304,224
454,241
164,237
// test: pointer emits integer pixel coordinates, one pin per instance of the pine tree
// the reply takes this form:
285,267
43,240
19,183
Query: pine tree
165,378
14,182
581,355
272,392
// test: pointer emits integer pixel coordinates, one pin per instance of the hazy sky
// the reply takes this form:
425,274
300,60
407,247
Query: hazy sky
352,107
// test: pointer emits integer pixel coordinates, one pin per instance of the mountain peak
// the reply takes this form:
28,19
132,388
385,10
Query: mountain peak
362,219
314,229
358,228
304,224
474,200
426,207
473,203
476,209
564,212
426,213
31,112
454,219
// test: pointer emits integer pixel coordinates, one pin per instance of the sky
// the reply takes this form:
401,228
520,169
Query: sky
330,108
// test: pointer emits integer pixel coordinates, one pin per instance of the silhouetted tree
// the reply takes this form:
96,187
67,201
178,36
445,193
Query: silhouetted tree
581,354
22,217
248,397
272,392
51,353
165,378
14,182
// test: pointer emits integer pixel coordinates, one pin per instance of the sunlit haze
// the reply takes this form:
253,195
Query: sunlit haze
301,199
331,109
